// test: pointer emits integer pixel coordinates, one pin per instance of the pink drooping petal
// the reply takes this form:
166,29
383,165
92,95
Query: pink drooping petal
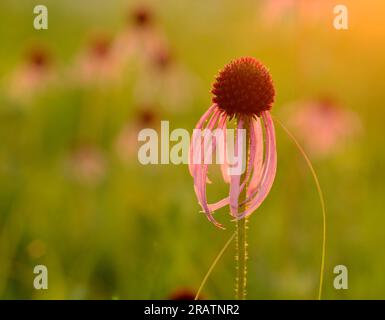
222,151
258,159
219,204
236,185
261,168
194,143
224,170
195,150
225,167
236,178
203,167
208,155
200,171
221,119
252,155
225,164
269,174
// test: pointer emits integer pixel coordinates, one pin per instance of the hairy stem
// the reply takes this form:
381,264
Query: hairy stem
241,259
241,237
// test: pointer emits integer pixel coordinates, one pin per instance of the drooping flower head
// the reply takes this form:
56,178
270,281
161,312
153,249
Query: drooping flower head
243,90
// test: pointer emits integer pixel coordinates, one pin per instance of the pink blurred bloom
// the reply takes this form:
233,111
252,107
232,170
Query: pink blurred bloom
166,81
87,165
33,76
98,64
140,40
126,144
323,125
244,90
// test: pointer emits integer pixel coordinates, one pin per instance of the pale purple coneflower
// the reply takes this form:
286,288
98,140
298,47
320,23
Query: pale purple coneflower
243,90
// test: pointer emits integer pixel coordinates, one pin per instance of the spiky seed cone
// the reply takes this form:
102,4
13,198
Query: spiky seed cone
244,87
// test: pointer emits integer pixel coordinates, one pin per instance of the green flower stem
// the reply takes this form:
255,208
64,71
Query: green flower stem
241,237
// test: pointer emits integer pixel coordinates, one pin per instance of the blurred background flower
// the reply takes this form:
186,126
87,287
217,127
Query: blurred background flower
183,294
86,165
98,64
323,125
127,143
34,74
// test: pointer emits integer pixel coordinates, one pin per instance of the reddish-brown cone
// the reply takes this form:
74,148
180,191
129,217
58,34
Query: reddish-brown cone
244,87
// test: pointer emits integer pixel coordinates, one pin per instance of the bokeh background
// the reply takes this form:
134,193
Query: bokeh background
74,197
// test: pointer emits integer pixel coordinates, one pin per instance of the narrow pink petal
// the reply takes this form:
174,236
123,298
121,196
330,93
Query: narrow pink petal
235,179
204,165
224,170
200,173
260,165
271,167
221,118
221,126
215,222
225,165
252,155
200,170
196,149
219,204
193,144
258,159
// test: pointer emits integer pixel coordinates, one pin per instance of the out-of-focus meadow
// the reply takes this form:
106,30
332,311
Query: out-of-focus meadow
74,197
